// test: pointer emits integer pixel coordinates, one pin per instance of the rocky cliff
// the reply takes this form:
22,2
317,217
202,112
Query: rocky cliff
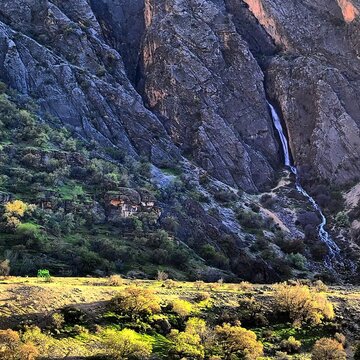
185,84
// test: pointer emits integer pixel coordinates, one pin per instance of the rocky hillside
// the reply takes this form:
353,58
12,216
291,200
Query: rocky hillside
181,86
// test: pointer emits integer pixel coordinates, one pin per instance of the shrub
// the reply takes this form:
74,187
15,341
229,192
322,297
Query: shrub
57,321
297,260
5,267
291,345
193,341
135,302
44,274
236,341
15,211
181,307
125,344
186,344
199,284
28,230
12,348
328,349
301,304
115,280
267,201
251,312
246,286
341,338
357,352
320,286
162,275
202,296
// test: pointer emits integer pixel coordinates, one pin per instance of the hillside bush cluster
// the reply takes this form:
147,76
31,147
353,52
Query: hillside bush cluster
139,323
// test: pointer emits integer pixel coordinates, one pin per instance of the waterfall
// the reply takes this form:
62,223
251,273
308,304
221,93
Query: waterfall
333,249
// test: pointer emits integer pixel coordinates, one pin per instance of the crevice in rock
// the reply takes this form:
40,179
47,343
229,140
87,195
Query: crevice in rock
261,44
123,26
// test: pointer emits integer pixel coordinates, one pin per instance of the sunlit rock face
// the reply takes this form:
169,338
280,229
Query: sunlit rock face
349,11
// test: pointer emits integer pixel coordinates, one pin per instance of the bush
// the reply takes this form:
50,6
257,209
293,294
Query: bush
357,352
320,286
12,348
246,286
202,296
193,341
301,304
187,345
57,321
297,260
328,349
181,307
162,275
125,345
5,267
115,280
44,274
291,345
237,342
136,302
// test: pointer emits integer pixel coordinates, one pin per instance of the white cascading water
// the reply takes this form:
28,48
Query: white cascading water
324,236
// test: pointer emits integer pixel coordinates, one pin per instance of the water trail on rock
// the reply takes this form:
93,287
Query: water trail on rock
333,249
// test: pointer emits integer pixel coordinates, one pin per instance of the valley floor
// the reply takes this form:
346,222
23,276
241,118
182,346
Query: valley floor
82,305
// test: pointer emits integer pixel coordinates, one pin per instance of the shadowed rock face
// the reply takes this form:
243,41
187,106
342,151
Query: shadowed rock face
195,66
315,82
56,52
201,79
196,73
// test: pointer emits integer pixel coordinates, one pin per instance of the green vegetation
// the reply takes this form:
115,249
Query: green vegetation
55,203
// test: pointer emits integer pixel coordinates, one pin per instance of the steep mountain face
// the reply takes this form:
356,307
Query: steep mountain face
185,84
315,82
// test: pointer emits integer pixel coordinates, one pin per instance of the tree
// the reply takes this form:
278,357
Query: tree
198,326
135,302
302,305
125,345
237,341
328,349
15,211
12,348
187,344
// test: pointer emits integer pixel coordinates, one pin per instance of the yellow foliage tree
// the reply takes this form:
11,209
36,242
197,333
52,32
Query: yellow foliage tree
181,307
187,344
125,344
15,211
135,301
328,349
237,342
302,305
